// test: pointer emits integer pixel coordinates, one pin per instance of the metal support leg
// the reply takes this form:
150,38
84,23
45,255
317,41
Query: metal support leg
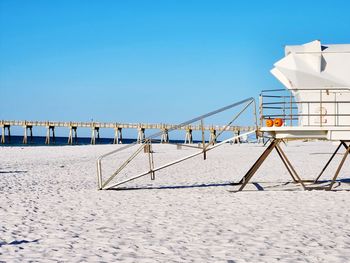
151,160
244,181
273,145
339,167
203,140
285,164
291,167
329,161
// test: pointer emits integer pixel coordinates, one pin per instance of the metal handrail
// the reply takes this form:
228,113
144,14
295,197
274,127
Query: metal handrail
287,106
202,150
313,89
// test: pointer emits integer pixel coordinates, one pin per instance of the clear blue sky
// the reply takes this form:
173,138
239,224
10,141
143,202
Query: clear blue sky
149,61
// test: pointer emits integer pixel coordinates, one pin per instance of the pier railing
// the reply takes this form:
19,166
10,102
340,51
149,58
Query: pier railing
110,125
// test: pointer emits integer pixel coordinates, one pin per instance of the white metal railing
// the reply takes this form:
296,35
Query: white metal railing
327,110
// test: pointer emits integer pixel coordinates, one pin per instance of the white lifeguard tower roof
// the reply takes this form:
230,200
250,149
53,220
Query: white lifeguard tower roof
313,65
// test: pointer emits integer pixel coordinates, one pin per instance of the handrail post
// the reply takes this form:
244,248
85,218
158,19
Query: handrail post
291,109
261,98
203,140
321,108
284,108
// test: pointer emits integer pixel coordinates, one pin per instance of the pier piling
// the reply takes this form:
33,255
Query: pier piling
165,136
25,136
118,138
48,134
95,132
140,134
73,134
3,134
212,137
188,137
237,132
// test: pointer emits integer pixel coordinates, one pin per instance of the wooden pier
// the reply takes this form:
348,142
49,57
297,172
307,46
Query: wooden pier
118,127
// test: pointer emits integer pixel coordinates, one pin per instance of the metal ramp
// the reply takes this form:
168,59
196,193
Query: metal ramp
112,180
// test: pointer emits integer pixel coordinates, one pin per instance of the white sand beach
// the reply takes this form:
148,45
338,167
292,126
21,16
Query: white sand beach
51,209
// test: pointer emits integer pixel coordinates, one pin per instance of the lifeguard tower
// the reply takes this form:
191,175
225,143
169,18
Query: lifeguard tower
316,104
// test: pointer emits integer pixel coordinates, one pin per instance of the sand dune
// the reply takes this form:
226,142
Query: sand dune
51,211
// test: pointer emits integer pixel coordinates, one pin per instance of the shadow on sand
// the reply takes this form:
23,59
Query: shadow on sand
13,172
277,186
170,187
18,242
